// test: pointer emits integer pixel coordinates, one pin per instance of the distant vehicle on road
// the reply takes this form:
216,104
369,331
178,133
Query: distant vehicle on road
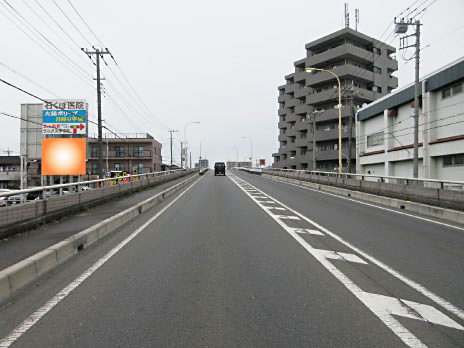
3,200
219,168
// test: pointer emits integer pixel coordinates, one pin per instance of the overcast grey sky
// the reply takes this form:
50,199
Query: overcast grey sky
214,61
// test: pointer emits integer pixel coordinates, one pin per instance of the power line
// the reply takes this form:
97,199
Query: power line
85,23
42,37
28,79
51,28
46,51
72,23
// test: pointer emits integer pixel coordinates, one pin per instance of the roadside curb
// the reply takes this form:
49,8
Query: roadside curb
418,208
26,271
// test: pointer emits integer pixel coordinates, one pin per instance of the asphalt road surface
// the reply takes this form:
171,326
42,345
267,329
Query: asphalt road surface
245,261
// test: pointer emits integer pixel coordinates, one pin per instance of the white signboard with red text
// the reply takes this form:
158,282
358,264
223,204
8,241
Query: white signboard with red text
65,117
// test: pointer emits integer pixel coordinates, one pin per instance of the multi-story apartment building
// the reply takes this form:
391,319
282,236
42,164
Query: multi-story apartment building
308,102
125,152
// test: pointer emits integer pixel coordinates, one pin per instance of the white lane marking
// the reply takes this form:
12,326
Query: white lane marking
308,231
330,254
267,202
286,217
408,309
50,304
416,286
274,208
372,205
405,335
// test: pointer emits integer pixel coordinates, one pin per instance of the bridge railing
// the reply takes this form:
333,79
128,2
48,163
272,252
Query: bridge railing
443,193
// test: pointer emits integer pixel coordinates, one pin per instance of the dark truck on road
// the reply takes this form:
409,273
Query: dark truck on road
219,168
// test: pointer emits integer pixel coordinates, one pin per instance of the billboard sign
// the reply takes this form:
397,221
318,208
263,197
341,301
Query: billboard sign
64,117
63,156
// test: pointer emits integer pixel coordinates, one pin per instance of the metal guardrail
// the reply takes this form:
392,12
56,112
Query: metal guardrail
99,183
429,183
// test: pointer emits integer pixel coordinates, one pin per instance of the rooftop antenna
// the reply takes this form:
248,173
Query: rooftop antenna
347,16
356,15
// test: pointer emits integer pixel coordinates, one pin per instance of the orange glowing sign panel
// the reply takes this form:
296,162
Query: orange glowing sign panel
63,156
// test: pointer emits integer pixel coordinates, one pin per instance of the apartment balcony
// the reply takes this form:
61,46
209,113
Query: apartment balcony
291,103
282,111
11,175
301,91
301,142
331,134
300,76
291,132
317,98
283,98
289,88
332,114
342,71
145,154
302,126
302,109
282,137
345,50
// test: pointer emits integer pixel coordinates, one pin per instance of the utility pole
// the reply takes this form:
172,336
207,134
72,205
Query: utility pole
190,160
181,156
402,28
98,53
313,116
350,130
172,131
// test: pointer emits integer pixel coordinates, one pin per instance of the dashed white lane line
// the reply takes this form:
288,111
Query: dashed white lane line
416,286
50,304
383,312
372,205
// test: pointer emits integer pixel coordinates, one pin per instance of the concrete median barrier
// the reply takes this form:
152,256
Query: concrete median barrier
28,270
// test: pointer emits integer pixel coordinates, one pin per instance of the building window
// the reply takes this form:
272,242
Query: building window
376,89
119,151
303,152
139,168
375,139
94,152
138,151
118,166
376,69
451,90
94,169
376,50
453,160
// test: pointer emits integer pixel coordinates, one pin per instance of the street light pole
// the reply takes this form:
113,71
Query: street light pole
200,151
251,149
184,158
236,161
340,167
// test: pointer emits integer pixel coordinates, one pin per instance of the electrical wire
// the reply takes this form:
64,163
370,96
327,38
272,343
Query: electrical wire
28,79
72,23
46,51
43,38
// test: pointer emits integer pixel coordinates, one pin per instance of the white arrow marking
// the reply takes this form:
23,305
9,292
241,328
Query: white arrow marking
329,254
308,231
388,306
286,217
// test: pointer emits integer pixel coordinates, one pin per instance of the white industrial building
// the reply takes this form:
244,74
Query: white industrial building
384,129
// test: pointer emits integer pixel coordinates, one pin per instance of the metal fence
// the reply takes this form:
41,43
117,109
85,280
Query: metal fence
442,193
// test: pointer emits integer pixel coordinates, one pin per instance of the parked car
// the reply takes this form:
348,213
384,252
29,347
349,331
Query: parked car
4,199
17,199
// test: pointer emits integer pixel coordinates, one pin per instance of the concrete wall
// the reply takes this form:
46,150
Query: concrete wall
33,212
